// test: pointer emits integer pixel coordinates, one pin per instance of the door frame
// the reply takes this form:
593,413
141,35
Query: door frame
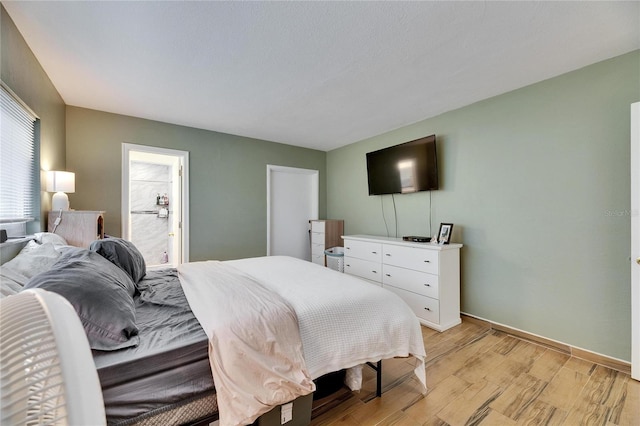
183,156
315,193
635,240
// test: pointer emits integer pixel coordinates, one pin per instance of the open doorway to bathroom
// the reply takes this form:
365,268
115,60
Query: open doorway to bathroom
155,203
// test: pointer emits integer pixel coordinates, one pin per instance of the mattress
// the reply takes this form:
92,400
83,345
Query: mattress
166,378
341,323
170,365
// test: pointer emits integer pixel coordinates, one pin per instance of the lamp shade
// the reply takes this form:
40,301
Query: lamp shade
61,181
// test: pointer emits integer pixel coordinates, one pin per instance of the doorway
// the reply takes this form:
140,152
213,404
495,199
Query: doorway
155,203
292,200
635,240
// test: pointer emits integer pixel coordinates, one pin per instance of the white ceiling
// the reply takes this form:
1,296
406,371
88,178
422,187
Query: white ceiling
310,73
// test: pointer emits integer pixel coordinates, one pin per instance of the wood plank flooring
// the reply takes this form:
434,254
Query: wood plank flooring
479,376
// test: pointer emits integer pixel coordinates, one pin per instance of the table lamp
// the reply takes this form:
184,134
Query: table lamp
60,183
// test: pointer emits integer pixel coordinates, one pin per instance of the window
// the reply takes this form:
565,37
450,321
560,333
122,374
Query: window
18,172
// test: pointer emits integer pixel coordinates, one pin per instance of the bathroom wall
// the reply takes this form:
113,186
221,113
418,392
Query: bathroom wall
149,231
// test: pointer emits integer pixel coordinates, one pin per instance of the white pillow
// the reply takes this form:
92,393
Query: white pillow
33,259
50,237
8,286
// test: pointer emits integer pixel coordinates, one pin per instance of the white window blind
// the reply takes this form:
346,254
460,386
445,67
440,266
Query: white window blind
17,163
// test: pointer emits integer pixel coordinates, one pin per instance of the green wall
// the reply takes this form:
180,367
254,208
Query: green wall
227,181
21,71
536,182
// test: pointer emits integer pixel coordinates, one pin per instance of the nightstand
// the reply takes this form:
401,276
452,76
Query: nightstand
79,227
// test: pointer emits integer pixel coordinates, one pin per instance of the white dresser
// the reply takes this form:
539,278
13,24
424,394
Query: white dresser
324,234
426,276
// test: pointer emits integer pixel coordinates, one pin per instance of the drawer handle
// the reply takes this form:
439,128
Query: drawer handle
388,275
374,252
427,285
427,261
375,272
388,255
428,309
348,266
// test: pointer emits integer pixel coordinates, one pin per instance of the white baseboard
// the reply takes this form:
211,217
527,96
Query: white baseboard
587,355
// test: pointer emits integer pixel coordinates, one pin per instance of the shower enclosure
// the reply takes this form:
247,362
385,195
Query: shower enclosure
151,197
153,203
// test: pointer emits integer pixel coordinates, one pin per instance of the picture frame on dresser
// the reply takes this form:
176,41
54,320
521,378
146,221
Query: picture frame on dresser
444,234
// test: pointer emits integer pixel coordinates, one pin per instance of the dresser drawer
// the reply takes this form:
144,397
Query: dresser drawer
363,268
424,307
317,226
414,281
318,258
424,260
317,249
363,250
317,238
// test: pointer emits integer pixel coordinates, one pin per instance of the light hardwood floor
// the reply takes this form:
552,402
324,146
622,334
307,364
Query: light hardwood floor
480,376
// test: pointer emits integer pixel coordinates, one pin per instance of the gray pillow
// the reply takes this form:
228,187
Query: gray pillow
100,292
123,254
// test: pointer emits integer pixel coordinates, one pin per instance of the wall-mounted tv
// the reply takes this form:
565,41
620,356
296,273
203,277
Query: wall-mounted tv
404,168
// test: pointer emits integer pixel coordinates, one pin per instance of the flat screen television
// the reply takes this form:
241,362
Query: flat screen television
408,167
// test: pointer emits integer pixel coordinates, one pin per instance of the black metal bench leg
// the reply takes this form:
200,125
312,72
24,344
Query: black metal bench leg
378,368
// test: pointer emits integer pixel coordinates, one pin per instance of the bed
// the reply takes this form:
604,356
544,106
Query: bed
155,366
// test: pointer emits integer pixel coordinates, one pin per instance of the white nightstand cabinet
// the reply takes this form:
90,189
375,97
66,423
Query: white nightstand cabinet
426,276
79,227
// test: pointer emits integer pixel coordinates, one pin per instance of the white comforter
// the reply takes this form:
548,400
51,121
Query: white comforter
343,322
